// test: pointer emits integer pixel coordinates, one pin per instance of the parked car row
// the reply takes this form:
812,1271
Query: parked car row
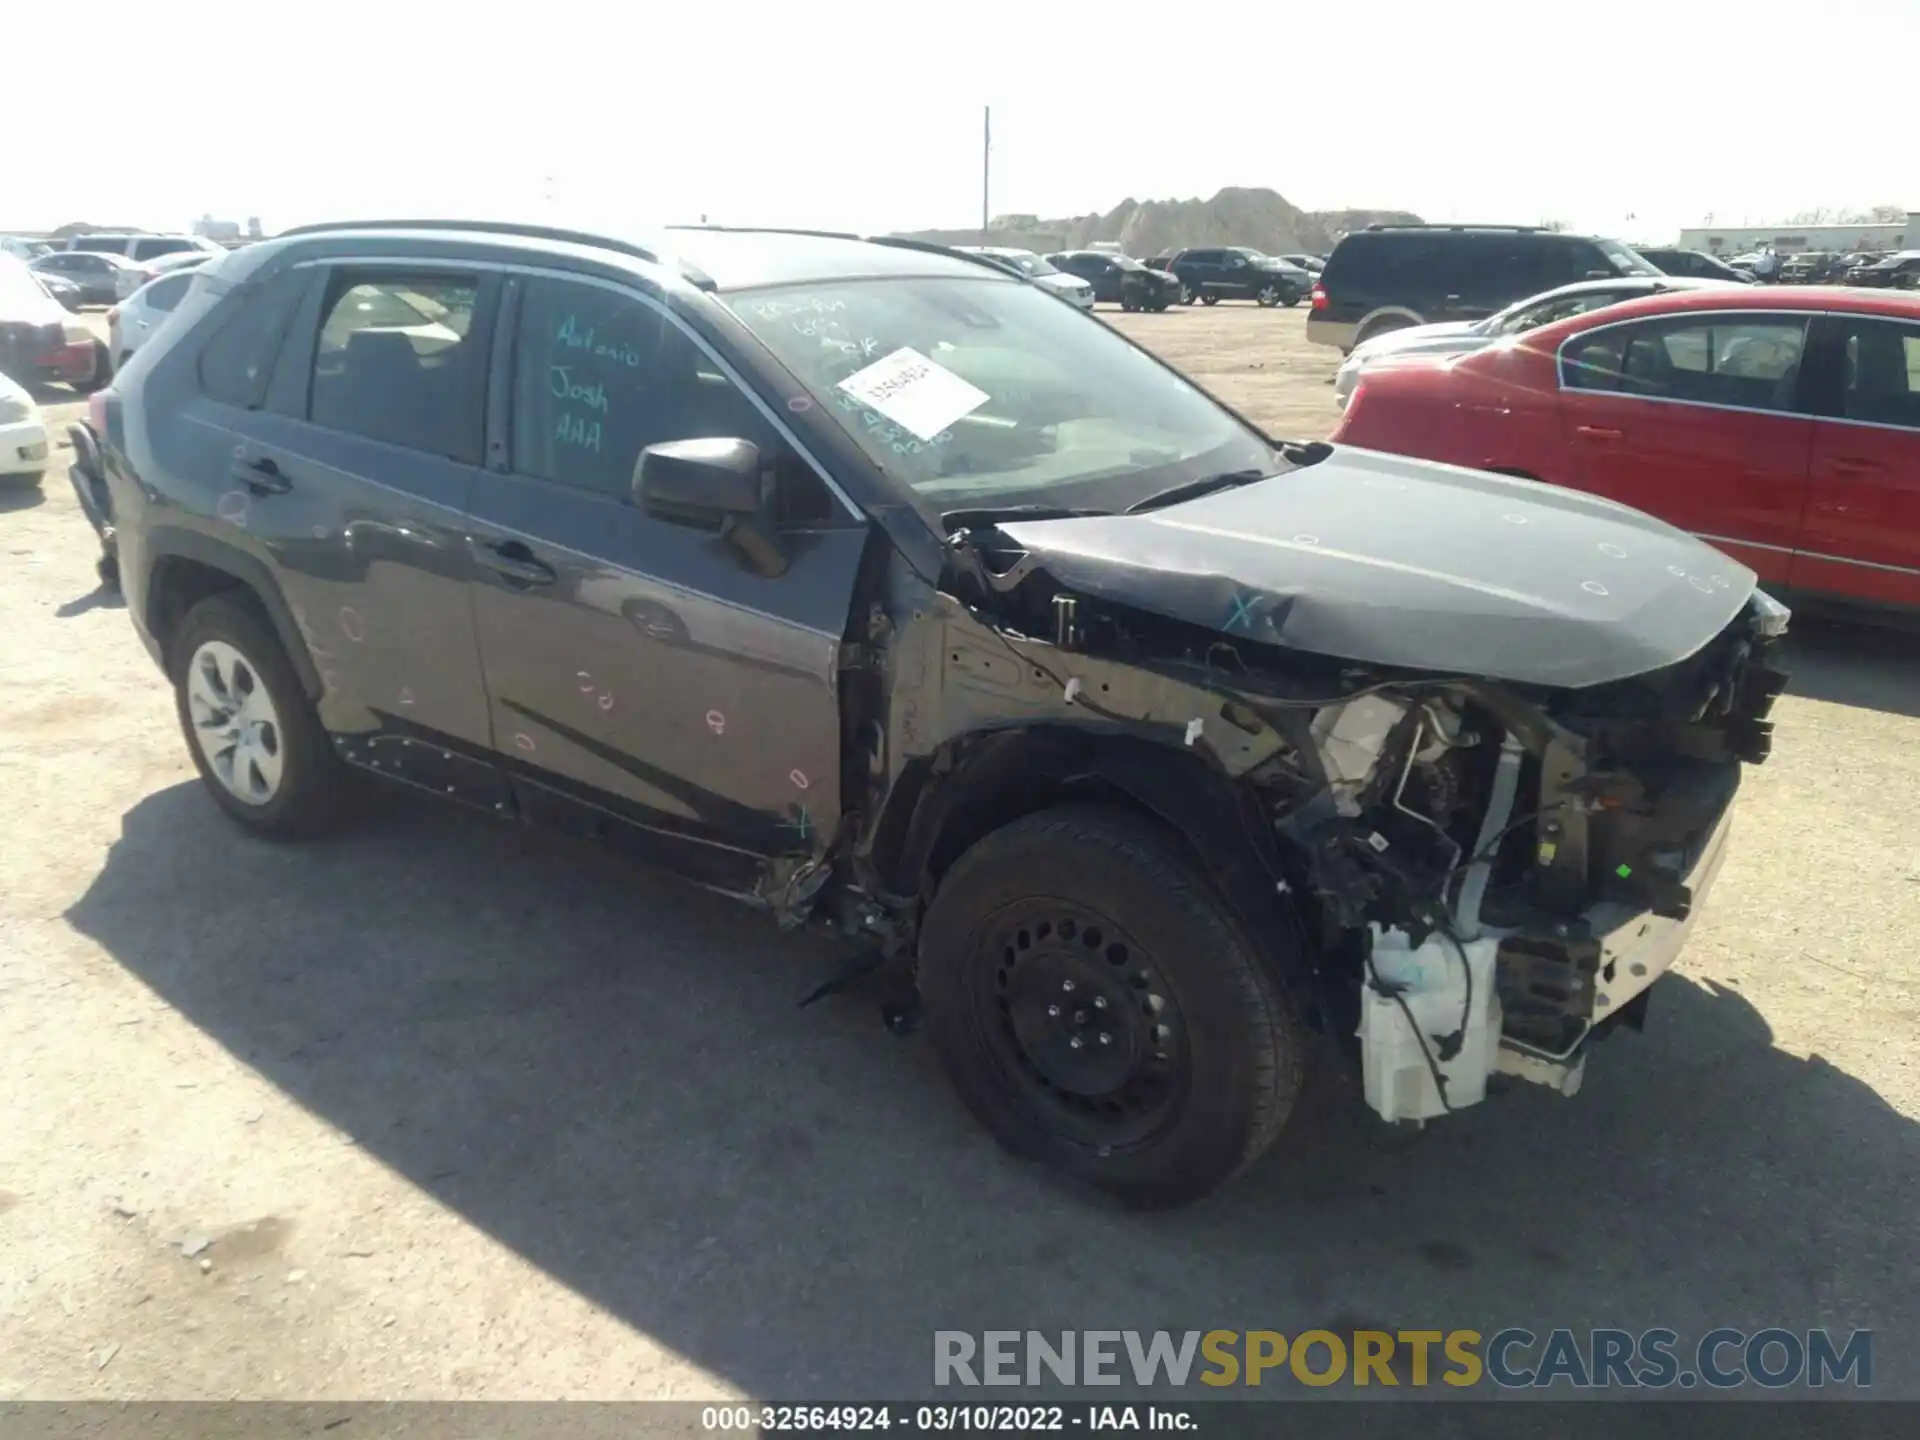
1120,279
1460,336
1236,272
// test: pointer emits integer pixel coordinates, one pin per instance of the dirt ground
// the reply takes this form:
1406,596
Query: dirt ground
443,1110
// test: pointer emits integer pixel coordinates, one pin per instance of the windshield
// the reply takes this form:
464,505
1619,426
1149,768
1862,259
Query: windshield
1627,262
981,394
1026,261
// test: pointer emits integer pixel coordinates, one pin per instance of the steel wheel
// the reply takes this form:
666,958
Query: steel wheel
1077,1020
235,723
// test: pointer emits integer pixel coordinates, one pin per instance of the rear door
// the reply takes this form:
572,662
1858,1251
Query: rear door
1700,420
355,473
1862,533
638,670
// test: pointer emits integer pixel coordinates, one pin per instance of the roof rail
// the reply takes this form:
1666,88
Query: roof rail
512,227
897,242
770,230
933,247
1466,225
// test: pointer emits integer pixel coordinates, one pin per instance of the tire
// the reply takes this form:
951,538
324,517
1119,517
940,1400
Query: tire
313,785
1267,297
1291,301
1207,297
1379,328
1095,900
102,371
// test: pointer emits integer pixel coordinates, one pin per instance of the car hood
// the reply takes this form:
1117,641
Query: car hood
1454,335
1060,280
1390,561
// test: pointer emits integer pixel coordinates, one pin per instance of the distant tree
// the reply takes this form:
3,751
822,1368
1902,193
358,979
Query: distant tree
1834,215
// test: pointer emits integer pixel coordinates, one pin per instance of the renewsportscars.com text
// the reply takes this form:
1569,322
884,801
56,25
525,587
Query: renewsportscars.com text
1511,1359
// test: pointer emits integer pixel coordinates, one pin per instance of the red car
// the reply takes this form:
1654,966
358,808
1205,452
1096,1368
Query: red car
1781,426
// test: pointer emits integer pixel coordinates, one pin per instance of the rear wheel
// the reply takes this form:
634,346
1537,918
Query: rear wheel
102,370
1379,328
1100,1011
253,733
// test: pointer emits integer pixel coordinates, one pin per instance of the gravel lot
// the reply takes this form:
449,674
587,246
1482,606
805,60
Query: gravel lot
443,1110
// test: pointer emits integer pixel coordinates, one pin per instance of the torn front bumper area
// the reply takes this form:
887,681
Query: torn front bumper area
1561,990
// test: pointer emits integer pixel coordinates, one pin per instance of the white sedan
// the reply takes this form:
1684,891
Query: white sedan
23,435
1458,337
1038,270
132,322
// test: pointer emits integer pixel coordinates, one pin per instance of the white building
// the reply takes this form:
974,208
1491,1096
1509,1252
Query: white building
1792,239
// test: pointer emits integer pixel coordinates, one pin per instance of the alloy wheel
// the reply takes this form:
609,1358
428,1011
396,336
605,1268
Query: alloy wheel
235,723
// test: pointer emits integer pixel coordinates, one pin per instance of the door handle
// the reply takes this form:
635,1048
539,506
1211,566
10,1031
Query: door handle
1598,432
515,563
260,475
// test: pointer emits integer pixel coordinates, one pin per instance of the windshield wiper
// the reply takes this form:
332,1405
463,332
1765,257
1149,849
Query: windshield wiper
1194,489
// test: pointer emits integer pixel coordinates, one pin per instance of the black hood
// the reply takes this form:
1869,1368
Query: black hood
1390,561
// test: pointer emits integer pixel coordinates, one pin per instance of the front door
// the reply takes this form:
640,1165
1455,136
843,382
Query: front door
645,682
1862,533
1696,419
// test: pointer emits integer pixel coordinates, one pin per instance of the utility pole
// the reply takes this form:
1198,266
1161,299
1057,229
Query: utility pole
986,170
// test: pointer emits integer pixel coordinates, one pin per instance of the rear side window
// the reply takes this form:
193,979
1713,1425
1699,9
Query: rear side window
165,294
1881,384
103,244
246,330
394,361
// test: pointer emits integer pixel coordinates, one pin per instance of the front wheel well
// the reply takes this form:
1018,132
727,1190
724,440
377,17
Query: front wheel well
980,784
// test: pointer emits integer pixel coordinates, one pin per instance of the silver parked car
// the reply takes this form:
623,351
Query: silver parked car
1038,270
1461,336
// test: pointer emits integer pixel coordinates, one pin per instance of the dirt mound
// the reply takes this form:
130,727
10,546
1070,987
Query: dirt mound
1261,218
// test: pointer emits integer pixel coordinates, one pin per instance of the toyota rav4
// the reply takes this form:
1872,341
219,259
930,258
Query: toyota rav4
867,583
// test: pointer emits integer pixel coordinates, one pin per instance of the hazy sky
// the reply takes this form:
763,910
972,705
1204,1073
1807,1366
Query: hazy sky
1629,118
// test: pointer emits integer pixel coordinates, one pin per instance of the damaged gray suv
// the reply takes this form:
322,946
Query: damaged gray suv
889,593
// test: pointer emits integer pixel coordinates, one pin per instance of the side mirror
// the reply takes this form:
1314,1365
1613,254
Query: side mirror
712,484
699,482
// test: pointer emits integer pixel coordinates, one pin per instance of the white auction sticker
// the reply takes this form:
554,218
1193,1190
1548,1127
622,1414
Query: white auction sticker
914,392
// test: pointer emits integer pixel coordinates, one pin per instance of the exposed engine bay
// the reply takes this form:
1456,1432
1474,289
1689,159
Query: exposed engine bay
1489,874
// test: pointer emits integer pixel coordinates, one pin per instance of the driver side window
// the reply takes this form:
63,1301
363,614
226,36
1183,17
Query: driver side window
599,375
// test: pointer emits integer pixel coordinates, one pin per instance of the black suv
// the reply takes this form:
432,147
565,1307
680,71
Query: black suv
874,586
1692,264
1387,277
1119,279
1237,273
